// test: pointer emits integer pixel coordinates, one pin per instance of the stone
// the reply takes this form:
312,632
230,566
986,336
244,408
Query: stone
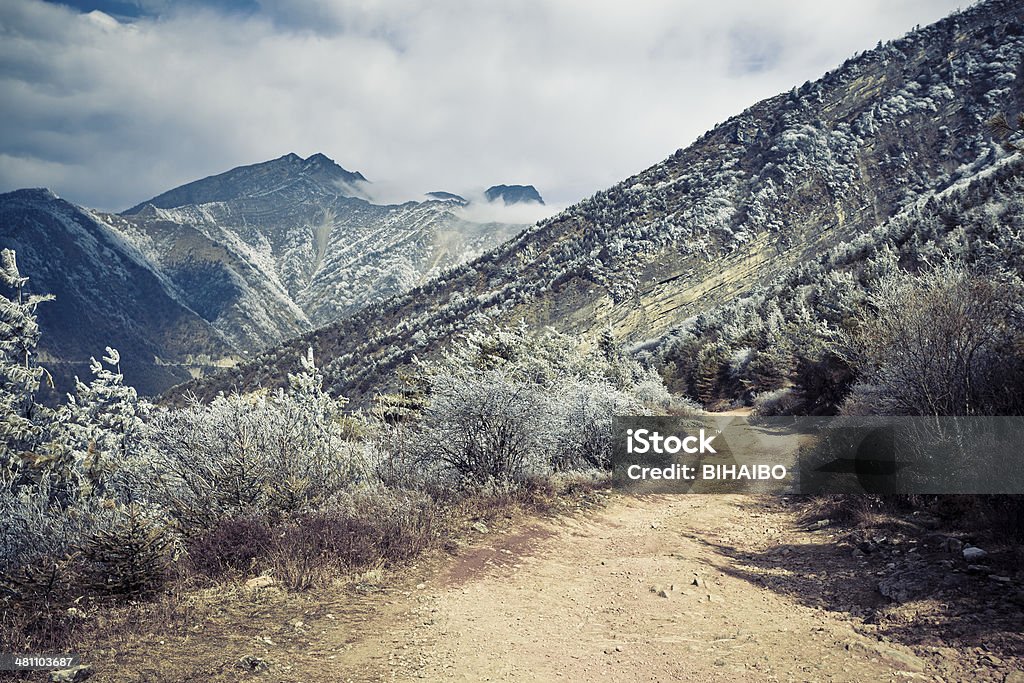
253,664
972,554
903,586
479,527
1014,677
72,675
259,582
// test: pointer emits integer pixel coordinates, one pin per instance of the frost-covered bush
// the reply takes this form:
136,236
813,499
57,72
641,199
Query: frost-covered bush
508,404
585,410
777,402
104,426
485,425
239,455
651,395
945,342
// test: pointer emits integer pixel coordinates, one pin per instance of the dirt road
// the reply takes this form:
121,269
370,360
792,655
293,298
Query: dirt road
657,588
653,589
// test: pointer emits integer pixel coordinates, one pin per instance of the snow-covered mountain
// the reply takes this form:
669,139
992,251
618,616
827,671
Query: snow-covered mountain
254,256
107,293
264,252
770,189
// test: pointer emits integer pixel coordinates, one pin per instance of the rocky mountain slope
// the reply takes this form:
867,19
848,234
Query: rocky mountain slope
279,248
107,294
251,257
775,186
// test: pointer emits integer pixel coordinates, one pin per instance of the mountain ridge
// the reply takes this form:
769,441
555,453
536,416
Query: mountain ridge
281,250
256,179
775,185
125,303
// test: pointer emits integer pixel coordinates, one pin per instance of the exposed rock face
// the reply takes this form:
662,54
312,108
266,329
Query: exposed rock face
513,194
770,188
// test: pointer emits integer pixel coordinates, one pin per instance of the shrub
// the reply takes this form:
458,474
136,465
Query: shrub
130,557
585,411
942,343
483,426
233,545
257,454
778,402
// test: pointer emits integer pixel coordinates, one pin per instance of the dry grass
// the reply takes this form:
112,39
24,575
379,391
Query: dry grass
358,545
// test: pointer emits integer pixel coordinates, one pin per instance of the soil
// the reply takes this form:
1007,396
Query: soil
655,588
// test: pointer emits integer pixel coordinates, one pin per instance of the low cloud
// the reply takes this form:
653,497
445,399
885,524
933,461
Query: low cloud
567,95
479,210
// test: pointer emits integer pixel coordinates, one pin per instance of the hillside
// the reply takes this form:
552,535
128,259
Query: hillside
107,294
775,186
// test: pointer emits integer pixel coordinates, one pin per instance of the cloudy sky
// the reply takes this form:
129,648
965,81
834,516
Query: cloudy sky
110,102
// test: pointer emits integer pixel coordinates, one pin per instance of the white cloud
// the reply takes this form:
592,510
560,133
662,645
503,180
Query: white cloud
568,95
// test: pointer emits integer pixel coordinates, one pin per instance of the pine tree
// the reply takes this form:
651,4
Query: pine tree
105,421
24,424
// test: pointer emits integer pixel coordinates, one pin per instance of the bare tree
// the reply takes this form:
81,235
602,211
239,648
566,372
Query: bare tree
942,343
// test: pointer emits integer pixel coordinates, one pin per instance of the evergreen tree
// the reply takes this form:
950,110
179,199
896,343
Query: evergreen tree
105,421
24,424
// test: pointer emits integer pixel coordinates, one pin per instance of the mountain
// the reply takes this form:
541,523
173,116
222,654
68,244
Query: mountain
287,248
252,256
774,187
513,194
107,294
287,177
447,196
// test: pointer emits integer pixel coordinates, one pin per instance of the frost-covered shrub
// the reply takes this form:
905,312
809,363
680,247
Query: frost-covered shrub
36,526
63,501
485,425
104,427
945,342
778,402
508,404
241,455
585,410
651,392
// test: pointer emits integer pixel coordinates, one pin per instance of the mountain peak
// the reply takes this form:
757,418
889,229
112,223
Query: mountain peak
318,174
442,196
33,193
514,194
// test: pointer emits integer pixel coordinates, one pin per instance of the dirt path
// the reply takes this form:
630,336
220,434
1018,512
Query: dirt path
655,588
651,589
